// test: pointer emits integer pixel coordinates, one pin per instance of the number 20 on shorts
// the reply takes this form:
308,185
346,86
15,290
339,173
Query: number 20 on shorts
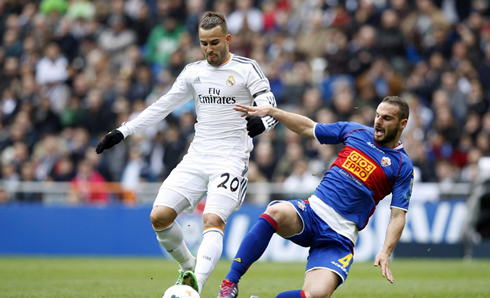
234,183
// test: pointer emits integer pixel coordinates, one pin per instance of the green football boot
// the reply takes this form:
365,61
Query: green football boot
188,278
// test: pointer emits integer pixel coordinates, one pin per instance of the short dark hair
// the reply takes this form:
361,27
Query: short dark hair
212,19
401,103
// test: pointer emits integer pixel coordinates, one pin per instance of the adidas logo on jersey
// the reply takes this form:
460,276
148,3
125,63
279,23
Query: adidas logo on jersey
196,81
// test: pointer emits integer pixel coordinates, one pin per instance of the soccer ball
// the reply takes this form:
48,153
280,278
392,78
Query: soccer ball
180,291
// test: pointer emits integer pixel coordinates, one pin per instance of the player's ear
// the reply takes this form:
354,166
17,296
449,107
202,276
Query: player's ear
403,123
228,39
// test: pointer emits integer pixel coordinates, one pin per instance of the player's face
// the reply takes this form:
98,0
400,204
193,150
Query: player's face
387,126
214,45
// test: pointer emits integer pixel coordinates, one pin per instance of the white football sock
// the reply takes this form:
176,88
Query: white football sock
208,254
172,239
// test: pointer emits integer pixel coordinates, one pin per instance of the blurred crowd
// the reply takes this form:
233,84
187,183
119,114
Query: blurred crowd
72,70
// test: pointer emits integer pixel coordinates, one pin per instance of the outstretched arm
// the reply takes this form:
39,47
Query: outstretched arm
393,233
299,124
178,95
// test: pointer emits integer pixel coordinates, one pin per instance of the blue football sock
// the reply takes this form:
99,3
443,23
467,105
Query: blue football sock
252,247
292,294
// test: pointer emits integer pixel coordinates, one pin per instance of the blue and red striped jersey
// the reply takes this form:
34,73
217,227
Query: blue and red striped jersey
363,173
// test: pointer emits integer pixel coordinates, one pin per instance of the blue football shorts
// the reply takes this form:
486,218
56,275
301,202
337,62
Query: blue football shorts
328,249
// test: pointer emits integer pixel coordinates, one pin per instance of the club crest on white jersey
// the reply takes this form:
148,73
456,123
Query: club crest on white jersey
230,81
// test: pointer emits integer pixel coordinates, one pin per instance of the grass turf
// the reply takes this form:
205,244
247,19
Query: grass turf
121,277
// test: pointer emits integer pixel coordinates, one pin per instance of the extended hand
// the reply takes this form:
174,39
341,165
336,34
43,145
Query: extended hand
255,126
111,139
384,261
260,111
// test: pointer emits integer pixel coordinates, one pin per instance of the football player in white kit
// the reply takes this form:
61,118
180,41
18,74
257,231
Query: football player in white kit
217,161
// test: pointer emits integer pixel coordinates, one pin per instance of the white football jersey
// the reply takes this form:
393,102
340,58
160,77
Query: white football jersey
215,89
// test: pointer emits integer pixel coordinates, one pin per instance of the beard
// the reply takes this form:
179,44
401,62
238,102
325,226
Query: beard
220,58
388,136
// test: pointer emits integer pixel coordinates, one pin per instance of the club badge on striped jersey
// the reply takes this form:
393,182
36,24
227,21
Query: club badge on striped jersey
385,161
230,81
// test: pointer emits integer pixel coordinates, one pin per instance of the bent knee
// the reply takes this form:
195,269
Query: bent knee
280,211
286,217
162,216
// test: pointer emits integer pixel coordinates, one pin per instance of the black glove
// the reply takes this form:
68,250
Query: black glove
111,139
255,126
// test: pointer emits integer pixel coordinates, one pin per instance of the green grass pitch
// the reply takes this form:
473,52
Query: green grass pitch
149,277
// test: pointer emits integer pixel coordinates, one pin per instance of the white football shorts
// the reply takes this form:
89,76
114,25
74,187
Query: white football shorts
223,179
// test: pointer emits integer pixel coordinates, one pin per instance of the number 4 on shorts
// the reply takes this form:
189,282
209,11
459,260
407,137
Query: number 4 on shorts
345,260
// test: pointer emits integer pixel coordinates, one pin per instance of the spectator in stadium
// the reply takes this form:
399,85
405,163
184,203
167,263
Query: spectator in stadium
45,120
484,67
195,9
135,171
338,54
326,156
51,73
142,83
343,105
372,165
299,80
9,74
217,160
27,173
88,185
63,170
261,196
164,40
312,40
10,177
366,14
46,154
301,180
143,23
117,38
390,38
312,101
294,152
364,49
245,17
419,25
67,42
96,118
457,99
265,158
11,44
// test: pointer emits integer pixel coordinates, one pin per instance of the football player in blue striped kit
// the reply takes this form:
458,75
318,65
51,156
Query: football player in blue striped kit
372,165
216,163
